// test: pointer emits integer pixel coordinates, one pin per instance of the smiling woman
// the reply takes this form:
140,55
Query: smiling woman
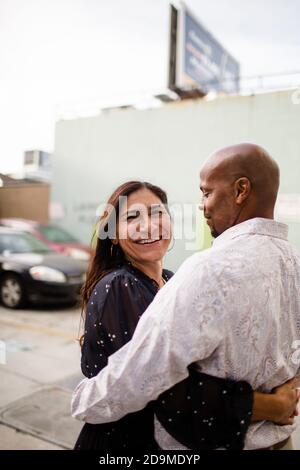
144,231
137,214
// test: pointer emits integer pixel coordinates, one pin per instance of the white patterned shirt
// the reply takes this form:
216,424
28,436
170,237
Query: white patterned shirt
234,310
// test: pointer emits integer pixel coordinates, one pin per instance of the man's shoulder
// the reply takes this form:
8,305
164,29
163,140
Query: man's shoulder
238,258
197,266
196,259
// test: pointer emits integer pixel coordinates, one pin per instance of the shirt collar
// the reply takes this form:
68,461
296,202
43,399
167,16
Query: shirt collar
256,226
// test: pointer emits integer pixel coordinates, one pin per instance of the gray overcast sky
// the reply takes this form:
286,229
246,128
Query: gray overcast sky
77,55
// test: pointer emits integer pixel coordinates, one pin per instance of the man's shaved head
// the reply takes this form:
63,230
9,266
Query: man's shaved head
239,182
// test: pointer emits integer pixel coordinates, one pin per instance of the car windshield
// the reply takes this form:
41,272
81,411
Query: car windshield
56,234
21,243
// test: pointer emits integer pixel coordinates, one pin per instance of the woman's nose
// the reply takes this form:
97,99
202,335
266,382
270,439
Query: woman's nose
144,226
154,226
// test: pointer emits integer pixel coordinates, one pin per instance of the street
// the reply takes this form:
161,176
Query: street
42,367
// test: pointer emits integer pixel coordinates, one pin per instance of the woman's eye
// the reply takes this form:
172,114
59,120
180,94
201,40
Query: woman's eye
133,215
157,213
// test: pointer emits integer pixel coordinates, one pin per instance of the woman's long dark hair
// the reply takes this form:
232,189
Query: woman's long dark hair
108,256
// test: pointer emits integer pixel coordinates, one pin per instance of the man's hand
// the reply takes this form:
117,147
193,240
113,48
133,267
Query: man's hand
280,406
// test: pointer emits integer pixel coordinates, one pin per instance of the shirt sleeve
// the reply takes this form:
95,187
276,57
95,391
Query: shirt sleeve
181,326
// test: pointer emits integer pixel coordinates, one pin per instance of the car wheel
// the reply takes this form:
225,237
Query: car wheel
12,292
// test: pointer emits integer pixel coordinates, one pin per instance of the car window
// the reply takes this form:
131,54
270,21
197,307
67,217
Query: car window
56,234
21,243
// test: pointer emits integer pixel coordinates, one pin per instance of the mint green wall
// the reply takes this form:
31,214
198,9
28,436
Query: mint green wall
167,146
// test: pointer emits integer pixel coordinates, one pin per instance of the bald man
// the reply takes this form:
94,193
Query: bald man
238,183
233,311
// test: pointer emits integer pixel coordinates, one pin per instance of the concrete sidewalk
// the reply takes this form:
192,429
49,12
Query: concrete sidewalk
42,368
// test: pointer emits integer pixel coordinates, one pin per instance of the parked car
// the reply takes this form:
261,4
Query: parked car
55,237
32,271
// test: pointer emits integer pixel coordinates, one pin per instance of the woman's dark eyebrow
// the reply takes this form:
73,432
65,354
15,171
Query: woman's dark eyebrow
150,208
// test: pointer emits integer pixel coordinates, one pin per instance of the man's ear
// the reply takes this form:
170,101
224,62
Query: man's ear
242,188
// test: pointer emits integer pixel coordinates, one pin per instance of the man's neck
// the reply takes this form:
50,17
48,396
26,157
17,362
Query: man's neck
257,214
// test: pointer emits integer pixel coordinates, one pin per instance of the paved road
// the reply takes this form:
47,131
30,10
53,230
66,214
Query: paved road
41,351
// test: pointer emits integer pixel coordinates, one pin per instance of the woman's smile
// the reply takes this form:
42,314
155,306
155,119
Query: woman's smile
148,241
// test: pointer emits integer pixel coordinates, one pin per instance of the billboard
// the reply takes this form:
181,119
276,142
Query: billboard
201,61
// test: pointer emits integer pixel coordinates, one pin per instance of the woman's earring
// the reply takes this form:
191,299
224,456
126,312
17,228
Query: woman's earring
114,246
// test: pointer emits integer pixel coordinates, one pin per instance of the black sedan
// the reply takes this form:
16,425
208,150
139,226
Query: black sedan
31,271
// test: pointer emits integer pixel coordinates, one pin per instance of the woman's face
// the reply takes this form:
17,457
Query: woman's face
144,229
